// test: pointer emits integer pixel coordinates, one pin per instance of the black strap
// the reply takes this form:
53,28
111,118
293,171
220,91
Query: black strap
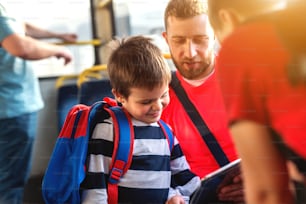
194,115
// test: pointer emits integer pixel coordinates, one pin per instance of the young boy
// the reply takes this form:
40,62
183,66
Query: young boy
140,76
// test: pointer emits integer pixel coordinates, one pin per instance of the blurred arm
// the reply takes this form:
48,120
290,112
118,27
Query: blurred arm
28,48
263,167
39,33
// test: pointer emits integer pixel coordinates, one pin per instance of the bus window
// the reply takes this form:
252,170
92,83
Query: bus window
141,17
96,22
60,16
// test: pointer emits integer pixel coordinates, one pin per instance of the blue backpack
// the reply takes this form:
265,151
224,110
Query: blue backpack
67,166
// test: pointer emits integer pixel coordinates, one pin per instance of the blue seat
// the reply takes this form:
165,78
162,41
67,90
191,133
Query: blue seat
67,97
85,88
94,90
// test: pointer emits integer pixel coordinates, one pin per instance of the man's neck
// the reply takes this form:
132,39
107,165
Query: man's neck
199,82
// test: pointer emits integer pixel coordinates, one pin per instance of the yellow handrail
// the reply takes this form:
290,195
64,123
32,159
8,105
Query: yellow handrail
91,73
95,42
60,81
167,55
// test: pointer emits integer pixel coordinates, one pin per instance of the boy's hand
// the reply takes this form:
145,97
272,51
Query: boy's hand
177,199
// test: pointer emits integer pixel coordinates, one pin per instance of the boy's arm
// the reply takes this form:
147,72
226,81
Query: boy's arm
183,181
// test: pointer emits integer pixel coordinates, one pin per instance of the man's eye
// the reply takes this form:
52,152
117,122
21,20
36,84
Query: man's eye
201,40
179,40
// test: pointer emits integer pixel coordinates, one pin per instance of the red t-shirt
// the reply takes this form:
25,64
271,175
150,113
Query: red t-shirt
207,99
252,73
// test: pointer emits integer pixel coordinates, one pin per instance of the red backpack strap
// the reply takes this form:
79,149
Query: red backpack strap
123,150
73,116
168,133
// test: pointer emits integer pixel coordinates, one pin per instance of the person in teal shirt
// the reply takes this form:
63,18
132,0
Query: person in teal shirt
20,98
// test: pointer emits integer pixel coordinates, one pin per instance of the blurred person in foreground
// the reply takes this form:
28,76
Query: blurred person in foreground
260,70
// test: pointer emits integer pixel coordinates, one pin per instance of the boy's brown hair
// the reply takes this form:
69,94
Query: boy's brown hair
137,62
184,9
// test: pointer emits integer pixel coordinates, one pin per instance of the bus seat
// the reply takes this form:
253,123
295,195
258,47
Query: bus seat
94,84
67,96
95,90
94,72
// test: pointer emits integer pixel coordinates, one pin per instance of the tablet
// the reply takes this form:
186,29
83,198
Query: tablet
210,184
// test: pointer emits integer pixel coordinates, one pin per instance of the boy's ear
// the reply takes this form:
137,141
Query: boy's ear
117,95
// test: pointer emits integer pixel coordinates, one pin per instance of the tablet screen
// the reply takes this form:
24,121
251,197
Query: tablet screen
210,184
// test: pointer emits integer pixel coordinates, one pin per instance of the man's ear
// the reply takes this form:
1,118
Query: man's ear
165,36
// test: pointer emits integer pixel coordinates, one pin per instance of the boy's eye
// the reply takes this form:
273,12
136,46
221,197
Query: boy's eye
145,102
165,95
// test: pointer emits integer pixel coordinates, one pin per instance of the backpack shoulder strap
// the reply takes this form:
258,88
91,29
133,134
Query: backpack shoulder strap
123,150
168,133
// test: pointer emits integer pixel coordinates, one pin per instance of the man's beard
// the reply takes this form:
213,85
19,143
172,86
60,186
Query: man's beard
193,74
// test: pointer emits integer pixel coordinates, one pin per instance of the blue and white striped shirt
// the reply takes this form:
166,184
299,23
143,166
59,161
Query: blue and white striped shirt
155,174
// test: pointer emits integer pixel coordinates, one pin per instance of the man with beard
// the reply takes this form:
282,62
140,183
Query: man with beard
191,42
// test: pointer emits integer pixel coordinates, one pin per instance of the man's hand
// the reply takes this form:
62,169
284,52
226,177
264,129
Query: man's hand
233,191
65,54
68,37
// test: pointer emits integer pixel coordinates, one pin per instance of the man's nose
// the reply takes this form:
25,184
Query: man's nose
190,49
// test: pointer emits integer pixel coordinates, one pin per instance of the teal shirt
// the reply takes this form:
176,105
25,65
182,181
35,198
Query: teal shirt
19,87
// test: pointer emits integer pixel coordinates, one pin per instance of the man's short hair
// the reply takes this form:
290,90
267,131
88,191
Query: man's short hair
184,9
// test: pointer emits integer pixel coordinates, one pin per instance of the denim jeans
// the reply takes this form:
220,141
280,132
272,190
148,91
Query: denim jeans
16,144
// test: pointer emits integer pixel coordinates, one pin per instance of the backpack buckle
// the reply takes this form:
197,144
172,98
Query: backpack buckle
116,172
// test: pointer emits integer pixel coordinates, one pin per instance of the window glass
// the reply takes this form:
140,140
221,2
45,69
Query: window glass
142,17
131,17
135,17
60,16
